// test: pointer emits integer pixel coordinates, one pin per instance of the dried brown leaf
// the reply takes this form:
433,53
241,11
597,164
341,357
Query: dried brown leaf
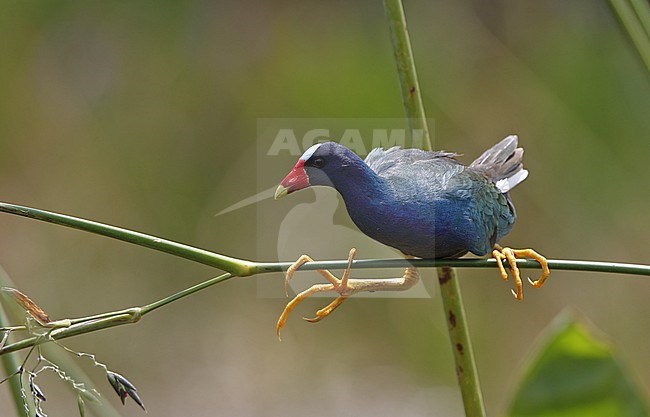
30,306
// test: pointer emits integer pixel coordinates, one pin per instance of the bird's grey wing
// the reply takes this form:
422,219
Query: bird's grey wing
380,160
413,173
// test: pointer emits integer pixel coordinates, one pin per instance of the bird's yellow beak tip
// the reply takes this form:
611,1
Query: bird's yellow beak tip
281,191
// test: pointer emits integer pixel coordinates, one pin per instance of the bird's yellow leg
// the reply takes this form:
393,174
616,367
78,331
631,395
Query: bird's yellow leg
296,300
345,287
340,286
325,311
511,256
324,272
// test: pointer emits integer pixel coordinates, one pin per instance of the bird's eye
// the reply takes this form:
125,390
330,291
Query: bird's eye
318,162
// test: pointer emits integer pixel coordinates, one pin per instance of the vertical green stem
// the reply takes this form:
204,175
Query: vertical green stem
11,363
461,344
449,287
408,77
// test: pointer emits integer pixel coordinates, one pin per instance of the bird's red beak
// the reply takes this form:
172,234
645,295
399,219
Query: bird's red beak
296,180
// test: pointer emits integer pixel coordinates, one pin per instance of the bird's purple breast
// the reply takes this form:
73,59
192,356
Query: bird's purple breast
433,229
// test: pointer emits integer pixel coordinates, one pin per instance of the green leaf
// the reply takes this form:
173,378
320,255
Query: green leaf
575,374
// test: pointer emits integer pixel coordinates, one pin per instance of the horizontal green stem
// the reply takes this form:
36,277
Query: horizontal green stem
235,266
238,267
127,316
117,318
554,264
101,321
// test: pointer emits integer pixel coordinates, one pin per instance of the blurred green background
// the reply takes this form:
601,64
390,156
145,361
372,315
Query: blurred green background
144,114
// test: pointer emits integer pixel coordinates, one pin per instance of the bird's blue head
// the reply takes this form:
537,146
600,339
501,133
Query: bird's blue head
321,164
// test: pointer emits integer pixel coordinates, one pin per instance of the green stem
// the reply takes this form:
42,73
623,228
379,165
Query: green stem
184,293
235,266
635,17
408,77
82,325
241,267
461,343
449,288
92,323
642,10
114,319
451,295
11,363
554,264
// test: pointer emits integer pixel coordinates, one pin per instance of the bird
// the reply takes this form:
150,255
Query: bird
426,204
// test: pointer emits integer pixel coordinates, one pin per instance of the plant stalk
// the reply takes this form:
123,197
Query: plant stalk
11,363
634,15
449,288
235,266
408,77
96,322
461,343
